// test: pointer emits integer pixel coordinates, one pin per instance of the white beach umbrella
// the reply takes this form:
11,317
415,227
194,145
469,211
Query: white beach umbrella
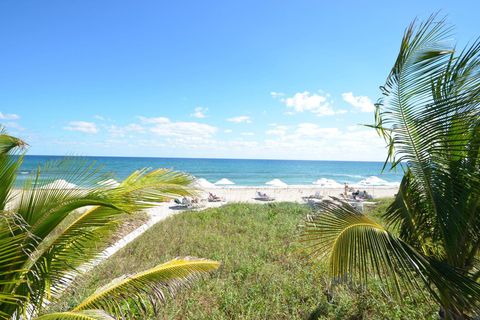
109,183
203,183
60,184
224,182
276,183
373,181
327,183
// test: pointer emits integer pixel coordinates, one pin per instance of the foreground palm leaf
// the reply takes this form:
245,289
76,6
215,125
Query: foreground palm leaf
77,315
8,143
146,289
430,119
48,229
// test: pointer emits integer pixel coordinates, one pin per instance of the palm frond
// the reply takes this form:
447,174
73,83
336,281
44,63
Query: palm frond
146,289
9,166
62,226
411,217
13,234
145,186
46,197
10,161
358,249
408,94
8,143
77,315
430,117
81,232
69,238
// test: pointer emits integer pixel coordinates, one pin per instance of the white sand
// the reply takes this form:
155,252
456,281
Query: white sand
290,193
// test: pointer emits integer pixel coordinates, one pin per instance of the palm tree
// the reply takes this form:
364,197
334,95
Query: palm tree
430,118
47,233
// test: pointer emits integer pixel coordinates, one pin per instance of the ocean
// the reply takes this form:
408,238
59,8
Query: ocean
240,171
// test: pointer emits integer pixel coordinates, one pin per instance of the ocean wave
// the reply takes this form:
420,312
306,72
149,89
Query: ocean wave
356,176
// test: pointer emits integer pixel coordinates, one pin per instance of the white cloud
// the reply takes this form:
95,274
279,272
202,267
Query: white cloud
302,131
166,128
277,130
134,127
360,102
312,130
241,145
311,141
115,131
82,126
120,132
99,117
9,116
163,136
306,101
178,129
276,94
13,126
155,120
240,119
199,112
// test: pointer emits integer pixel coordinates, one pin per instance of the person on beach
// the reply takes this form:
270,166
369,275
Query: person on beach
345,192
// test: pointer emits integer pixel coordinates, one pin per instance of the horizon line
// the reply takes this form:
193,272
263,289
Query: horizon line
202,158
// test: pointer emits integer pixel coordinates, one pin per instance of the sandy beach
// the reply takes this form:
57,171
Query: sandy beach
290,193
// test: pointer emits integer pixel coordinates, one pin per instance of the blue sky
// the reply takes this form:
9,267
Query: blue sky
231,79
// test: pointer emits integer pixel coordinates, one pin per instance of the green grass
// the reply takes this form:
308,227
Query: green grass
264,275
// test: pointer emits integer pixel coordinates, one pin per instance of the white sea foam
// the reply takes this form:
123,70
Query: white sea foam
356,176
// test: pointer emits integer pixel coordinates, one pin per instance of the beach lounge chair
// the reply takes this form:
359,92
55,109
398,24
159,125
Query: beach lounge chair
316,196
357,205
366,195
347,197
195,203
263,197
314,203
214,198
184,203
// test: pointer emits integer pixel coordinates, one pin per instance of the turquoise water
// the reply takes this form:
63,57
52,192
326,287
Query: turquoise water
241,172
